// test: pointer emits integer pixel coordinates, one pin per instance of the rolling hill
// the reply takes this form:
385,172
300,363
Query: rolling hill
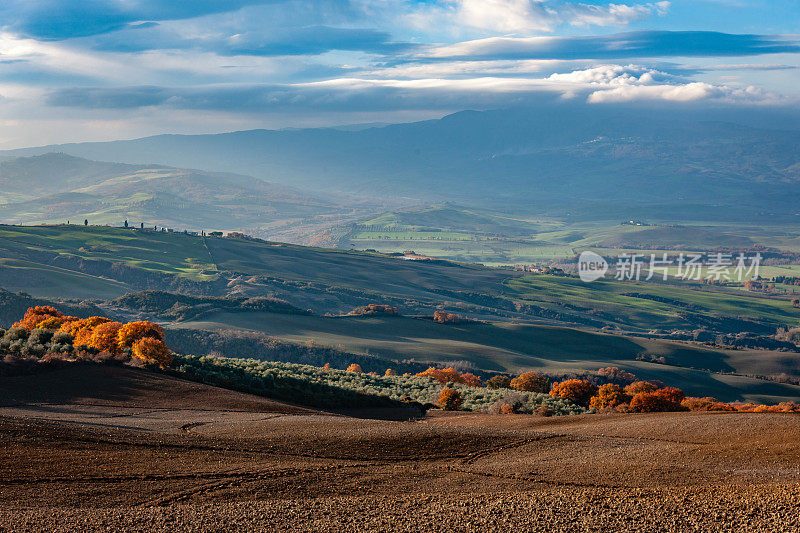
55,187
591,162
253,291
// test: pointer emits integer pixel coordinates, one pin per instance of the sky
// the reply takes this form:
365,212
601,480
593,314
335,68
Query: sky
76,70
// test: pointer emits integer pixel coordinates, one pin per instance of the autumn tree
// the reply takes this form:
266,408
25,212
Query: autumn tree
609,396
531,382
653,402
152,351
499,382
470,380
443,317
578,391
450,399
355,368
442,375
81,329
640,386
133,331
104,337
389,372
36,315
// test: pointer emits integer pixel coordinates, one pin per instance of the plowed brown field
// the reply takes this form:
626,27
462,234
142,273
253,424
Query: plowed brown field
118,449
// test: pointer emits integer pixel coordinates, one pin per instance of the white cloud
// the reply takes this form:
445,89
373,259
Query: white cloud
688,92
530,16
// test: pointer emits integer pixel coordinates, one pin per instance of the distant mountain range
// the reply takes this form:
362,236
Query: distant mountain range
592,162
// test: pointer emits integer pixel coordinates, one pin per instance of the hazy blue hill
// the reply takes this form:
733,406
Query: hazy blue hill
56,187
552,159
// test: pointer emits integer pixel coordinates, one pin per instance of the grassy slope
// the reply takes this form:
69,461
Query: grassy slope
610,297
174,253
516,347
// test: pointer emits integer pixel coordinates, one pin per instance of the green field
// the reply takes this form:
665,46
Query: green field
467,234
616,298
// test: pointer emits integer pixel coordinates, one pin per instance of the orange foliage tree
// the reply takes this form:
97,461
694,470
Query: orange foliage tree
133,331
653,402
470,380
354,368
451,375
389,372
37,315
104,337
578,391
81,329
152,351
450,399
531,382
640,386
609,396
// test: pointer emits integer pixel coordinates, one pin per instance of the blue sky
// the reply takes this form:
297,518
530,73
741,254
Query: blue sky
74,70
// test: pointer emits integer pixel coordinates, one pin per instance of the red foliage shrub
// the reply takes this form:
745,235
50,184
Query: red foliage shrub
609,396
134,331
707,404
671,394
653,402
640,386
531,382
355,368
450,399
152,351
578,391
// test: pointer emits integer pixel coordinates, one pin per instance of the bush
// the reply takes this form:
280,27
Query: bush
615,375
653,402
450,399
152,351
499,382
443,317
579,391
374,309
470,380
671,394
640,386
531,382
450,375
609,396
706,404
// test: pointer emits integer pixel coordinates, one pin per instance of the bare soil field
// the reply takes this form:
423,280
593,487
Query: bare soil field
109,449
